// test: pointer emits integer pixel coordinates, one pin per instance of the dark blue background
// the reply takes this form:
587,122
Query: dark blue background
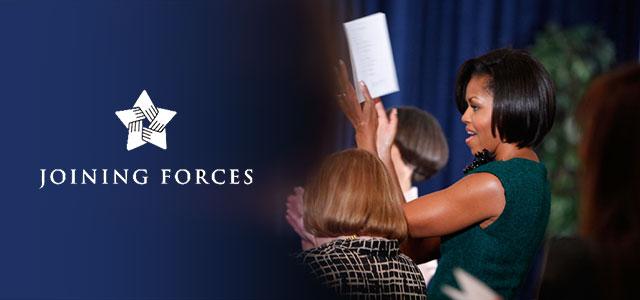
243,78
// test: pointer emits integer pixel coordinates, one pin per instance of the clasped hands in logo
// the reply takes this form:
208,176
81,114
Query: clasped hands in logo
133,120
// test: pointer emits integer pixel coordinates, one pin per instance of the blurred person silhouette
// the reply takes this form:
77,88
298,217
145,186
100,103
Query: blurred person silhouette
604,261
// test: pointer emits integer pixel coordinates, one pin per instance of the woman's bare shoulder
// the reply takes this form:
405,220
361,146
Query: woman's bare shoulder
479,184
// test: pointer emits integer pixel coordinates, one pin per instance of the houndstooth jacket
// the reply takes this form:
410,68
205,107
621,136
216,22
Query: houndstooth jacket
365,268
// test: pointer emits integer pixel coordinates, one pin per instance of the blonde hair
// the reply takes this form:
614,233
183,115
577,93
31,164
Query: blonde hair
352,193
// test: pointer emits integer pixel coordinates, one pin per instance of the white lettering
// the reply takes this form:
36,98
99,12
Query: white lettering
73,176
123,179
52,176
177,177
200,173
249,179
235,176
86,176
144,178
165,175
42,171
213,176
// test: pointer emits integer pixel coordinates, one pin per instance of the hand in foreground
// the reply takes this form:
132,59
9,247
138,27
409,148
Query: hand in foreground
363,118
294,218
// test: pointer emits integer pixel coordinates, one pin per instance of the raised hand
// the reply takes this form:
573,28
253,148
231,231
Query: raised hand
387,128
363,118
295,219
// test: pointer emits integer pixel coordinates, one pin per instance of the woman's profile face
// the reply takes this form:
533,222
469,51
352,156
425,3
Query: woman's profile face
477,117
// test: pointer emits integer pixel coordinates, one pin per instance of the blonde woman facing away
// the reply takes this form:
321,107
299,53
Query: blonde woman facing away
352,209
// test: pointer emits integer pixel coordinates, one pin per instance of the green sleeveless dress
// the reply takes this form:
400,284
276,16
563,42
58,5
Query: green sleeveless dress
500,255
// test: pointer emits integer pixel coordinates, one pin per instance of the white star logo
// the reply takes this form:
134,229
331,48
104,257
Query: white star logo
139,135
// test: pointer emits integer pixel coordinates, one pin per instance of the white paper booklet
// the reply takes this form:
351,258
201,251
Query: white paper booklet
371,55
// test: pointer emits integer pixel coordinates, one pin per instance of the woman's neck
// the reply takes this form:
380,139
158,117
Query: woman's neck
403,170
506,151
404,177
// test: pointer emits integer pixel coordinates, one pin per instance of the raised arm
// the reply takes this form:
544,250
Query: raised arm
476,198
375,131
364,118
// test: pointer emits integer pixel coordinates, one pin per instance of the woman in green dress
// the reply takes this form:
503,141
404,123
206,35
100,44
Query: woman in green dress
492,221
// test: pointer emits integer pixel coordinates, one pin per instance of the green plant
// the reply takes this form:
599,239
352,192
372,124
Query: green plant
573,57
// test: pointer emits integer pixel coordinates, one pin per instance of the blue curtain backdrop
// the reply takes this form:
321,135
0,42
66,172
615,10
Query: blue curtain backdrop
431,39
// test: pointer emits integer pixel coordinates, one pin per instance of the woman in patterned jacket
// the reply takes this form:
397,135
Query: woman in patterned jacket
352,209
